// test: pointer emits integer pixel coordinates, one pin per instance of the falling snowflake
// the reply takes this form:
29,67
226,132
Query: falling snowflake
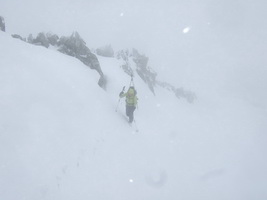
186,30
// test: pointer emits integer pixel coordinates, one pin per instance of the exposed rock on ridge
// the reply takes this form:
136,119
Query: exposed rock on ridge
2,24
140,62
73,46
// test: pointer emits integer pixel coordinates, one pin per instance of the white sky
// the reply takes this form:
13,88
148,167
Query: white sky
131,22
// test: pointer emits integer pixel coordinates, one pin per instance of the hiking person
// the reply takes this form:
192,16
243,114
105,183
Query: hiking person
131,102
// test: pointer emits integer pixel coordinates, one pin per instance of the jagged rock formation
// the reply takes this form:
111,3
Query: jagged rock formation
124,55
2,24
143,70
148,75
30,39
74,46
18,37
106,51
179,92
52,39
41,40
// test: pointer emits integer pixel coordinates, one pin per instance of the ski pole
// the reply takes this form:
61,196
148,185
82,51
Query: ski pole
119,99
131,82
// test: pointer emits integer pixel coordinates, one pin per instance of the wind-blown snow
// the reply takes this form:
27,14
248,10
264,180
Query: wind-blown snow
186,30
60,137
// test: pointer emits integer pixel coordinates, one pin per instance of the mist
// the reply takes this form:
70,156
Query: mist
53,110
205,45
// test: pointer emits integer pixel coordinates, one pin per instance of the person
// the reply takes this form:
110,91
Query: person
131,102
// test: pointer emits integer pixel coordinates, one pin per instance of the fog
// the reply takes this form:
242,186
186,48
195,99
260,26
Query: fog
204,45
61,139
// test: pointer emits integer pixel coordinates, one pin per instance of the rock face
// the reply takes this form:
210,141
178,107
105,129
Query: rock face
125,56
2,24
73,46
135,62
44,39
41,40
18,37
179,92
143,70
76,47
52,39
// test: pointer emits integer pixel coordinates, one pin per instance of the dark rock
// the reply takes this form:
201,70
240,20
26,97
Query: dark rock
124,55
30,39
76,47
18,37
148,75
2,24
41,40
102,82
73,45
145,72
52,39
179,92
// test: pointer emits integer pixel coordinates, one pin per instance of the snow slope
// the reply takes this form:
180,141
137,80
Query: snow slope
60,137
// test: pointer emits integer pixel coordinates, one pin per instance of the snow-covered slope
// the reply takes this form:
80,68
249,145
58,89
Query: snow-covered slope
60,137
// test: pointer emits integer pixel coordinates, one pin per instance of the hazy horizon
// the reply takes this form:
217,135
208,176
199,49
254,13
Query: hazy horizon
185,41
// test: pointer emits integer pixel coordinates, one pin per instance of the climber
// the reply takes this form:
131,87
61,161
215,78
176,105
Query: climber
131,102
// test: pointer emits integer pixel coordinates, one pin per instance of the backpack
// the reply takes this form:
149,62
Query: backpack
132,88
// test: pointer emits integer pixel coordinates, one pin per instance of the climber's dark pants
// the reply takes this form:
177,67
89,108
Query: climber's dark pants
129,112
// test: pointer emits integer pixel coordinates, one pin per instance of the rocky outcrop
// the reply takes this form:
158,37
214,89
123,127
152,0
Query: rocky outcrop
179,92
18,37
135,62
73,46
144,71
2,24
41,40
44,39
52,39
124,55
140,62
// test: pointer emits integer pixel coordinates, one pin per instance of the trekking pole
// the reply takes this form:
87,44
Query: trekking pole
131,82
119,99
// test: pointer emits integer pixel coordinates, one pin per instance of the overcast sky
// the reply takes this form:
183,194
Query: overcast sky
132,22
192,36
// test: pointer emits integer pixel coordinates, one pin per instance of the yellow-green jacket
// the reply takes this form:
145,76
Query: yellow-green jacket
131,98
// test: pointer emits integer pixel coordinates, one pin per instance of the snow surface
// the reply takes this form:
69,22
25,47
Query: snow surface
60,137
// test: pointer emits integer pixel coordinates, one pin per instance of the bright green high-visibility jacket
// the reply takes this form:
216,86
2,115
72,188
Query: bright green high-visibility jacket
131,98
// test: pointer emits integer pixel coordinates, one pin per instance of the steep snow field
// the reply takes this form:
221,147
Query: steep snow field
61,139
